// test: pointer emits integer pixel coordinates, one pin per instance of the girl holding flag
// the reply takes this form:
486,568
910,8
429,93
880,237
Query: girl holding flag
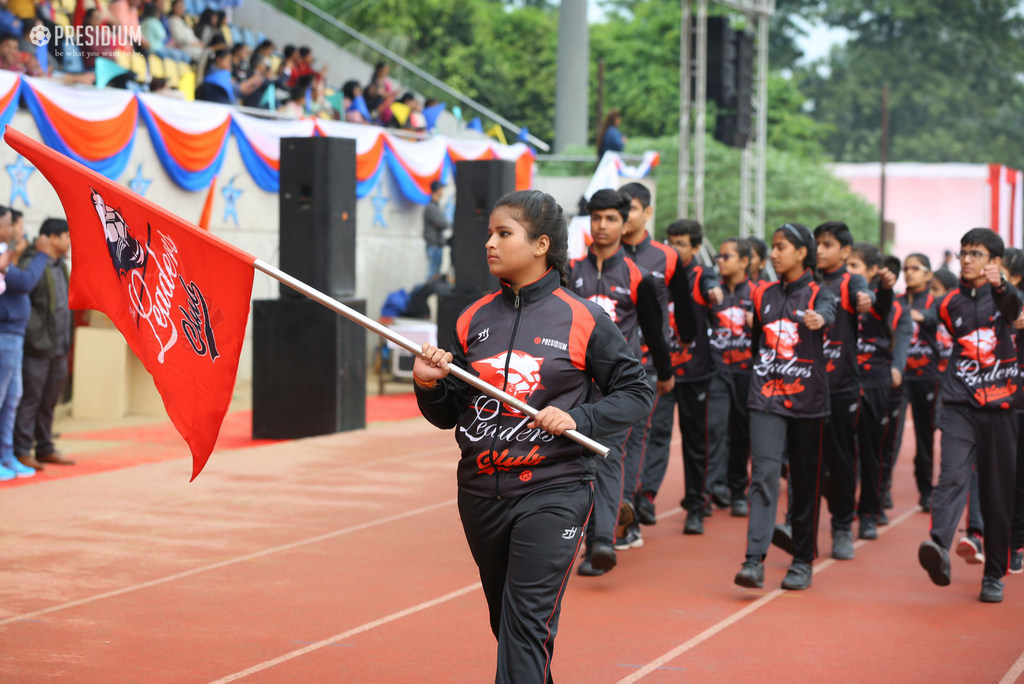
526,491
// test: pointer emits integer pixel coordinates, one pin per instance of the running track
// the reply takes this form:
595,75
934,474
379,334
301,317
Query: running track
342,559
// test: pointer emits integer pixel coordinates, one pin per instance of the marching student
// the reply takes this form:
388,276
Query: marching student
788,402
882,341
693,369
892,434
1013,271
758,260
922,377
980,390
629,296
728,418
652,438
525,491
853,297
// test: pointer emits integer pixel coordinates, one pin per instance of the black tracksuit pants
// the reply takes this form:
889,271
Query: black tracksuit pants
802,439
692,402
1017,526
635,452
607,491
890,437
840,460
874,408
525,548
986,439
922,397
729,432
659,440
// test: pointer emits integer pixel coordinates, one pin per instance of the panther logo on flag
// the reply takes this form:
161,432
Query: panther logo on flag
782,336
523,378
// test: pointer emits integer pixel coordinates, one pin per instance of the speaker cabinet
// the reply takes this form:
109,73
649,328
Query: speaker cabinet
317,214
449,306
479,184
309,369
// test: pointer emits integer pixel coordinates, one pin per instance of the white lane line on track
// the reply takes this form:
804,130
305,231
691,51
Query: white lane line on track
740,614
350,633
226,563
1014,672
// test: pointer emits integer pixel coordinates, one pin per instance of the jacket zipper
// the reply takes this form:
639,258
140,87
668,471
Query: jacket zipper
977,341
504,386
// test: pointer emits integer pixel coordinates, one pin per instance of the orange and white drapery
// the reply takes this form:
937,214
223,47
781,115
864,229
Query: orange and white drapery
1007,205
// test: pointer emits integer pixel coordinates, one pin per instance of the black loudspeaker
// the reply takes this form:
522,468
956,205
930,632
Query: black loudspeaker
317,214
449,306
309,369
479,184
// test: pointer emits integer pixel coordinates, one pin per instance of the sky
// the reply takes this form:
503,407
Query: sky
820,39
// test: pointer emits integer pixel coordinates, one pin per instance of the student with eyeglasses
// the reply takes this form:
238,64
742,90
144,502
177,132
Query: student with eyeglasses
728,417
788,403
921,388
980,390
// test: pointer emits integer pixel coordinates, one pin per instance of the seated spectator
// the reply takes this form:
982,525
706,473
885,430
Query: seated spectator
253,89
160,86
302,67
183,36
125,13
264,53
217,42
13,59
9,23
218,86
354,103
241,55
94,17
211,22
415,121
153,31
295,105
284,70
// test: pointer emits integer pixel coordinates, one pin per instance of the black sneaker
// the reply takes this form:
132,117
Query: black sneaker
587,569
969,548
868,528
887,499
720,496
602,556
645,510
798,576
633,539
842,544
935,560
751,575
991,590
694,523
882,519
708,510
925,502
783,538
1017,562
739,508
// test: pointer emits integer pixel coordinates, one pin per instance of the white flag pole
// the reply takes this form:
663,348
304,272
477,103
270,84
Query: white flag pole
416,349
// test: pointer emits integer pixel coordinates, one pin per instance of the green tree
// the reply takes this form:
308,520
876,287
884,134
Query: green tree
953,73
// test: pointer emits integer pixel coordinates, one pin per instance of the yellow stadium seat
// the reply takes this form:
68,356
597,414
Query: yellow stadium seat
122,59
61,19
228,34
68,6
137,63
156,67
171,72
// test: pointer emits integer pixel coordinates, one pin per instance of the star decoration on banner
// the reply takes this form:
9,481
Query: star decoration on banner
19,172
379,202
231,195
139,184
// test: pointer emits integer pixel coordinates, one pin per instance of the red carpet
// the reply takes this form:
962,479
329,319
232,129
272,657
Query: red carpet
156,442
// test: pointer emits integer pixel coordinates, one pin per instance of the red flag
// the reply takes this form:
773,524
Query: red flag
179,295
204,218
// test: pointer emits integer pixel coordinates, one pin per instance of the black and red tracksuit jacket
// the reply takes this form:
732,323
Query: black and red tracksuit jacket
841,337
629,295
547,347
883,339
693,362
674,296
789,377
983,371
730,334
923,353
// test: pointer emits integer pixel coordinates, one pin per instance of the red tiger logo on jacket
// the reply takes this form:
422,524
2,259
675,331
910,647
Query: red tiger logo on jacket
782,336
980,345
523,377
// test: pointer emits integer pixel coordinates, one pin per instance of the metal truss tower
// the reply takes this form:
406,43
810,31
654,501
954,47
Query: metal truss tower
692,113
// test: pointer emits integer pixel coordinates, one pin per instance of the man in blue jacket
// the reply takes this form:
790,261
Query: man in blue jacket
14,312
